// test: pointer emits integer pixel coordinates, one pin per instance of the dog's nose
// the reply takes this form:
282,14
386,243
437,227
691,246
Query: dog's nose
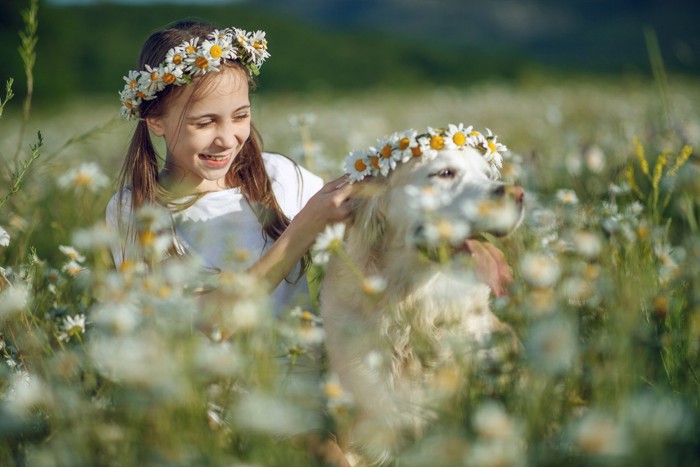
517,192
514,191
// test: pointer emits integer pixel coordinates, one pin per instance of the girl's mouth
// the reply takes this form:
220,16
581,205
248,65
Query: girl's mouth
210,157
215,162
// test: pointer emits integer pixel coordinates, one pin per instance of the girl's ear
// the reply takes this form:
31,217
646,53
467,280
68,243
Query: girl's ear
155,125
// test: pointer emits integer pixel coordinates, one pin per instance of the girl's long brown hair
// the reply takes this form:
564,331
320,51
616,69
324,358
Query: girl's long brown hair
247,172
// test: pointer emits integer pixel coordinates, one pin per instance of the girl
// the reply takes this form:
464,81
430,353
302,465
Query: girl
229,200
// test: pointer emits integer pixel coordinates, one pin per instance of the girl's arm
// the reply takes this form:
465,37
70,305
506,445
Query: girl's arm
329,205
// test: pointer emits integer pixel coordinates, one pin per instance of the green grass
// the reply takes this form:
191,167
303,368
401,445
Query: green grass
612,338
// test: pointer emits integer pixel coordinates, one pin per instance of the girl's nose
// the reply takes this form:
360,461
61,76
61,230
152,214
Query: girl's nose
225,135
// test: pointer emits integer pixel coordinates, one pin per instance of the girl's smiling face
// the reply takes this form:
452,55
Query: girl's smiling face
204,129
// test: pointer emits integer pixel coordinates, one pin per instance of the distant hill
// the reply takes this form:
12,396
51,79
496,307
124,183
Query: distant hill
354,44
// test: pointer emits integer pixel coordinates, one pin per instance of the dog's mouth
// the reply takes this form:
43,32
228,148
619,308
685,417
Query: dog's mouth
440,238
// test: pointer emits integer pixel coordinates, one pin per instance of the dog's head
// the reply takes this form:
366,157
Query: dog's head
428,203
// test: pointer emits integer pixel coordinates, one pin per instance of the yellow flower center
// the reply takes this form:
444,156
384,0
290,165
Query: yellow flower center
215,51
492,147
445,229
375,162
164,291
386,151
416,151
190,49
177,59
459,139
133,84
307,315
154,76
404,143
360,165
201,62
474,133
333,390
437,142
82,179
169,78
147,238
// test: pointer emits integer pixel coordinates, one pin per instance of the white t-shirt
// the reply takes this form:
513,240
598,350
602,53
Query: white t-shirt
222,230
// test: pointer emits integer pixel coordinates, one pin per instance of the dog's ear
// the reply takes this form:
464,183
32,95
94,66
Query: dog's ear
370,215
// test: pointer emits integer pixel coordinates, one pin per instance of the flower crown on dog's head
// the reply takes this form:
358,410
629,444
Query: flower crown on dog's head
402,147
190,59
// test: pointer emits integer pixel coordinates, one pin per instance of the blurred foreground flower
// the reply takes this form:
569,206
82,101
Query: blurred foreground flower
552,345
329,241
88,176
13,299
540,270
4,237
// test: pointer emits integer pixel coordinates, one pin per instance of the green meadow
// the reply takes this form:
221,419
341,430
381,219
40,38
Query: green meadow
104,367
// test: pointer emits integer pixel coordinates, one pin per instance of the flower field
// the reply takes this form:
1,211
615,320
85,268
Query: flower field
109,367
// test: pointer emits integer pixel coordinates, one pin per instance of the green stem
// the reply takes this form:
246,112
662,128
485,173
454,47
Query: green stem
27,52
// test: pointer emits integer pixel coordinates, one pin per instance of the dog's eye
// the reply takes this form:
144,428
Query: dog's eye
444,173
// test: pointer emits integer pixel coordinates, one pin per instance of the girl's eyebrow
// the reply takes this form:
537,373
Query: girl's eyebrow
210,115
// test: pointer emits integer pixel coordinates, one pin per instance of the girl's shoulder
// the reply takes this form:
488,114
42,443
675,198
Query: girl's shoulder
281,167
119,202
292,184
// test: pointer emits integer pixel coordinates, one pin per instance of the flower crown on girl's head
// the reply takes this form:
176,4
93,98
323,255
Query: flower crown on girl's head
402,147
190,59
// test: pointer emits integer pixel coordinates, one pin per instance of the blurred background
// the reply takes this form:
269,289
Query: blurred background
86,46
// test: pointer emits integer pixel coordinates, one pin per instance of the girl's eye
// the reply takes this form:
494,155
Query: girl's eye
445,173
203,124
240,117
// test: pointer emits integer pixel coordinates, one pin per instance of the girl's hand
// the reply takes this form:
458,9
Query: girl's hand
331,204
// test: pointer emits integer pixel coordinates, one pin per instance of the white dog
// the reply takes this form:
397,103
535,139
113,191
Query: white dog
391,350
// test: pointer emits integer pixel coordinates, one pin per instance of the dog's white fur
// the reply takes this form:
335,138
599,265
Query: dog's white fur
386,350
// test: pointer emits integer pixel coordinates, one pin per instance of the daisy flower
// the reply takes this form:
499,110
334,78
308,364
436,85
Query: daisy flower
4,237
72,268
151,80
87,176
132,80
444,231
373,285
172,75
552,345
406,145
357,165
71,253
425,198
72,326
567,197
199,64
217,48
436,142
329,241
540,270
387,155
456,136
175,56
259,52
475,138
13,300
190,46
493,149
